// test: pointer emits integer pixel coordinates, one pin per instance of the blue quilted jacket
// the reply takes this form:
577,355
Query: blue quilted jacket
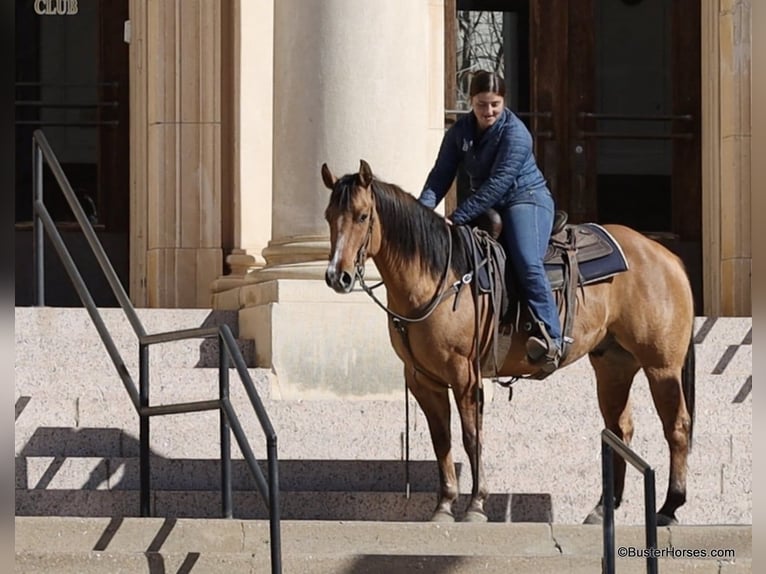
499,163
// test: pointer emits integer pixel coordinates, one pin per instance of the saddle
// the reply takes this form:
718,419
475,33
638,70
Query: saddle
578,254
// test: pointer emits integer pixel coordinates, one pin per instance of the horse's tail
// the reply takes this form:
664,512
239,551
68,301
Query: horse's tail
687,384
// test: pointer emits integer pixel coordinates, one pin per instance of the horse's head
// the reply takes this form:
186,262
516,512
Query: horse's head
354,235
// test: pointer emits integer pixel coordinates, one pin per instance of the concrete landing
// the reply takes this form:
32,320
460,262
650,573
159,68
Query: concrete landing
84,545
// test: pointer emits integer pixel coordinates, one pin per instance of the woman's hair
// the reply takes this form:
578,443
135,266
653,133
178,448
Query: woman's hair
484,81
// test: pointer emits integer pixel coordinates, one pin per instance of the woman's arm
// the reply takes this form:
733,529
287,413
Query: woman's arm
443,172
513,150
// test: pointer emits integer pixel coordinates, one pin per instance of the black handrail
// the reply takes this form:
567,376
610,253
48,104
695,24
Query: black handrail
611,443
228,351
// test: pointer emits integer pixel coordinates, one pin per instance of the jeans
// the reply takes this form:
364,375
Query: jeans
527,224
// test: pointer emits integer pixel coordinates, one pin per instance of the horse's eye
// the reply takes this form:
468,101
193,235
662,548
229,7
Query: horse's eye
363,218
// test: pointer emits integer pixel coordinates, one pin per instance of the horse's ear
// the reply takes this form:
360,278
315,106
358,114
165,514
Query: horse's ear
327,177
364,178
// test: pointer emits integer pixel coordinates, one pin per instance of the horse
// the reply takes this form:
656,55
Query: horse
641,318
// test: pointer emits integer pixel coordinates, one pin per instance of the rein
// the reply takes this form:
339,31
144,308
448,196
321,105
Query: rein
400,323
442,292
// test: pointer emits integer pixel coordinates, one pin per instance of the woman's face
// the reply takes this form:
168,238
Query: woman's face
487,106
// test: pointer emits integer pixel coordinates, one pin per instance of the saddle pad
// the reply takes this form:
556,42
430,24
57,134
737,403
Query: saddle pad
592,269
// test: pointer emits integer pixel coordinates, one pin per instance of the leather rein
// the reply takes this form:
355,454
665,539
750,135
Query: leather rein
400,324
442,292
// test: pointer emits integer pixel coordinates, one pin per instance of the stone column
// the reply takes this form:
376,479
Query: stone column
726,157
176,163
352,80
735,253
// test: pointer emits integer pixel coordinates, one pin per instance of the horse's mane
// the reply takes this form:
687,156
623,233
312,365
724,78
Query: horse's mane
412,230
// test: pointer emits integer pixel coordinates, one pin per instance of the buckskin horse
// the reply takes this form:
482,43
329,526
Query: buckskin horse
640,318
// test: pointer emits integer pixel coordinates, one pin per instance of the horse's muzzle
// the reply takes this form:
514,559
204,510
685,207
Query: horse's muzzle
341,282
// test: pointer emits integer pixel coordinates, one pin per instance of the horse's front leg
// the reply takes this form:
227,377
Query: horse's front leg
471,407
433,399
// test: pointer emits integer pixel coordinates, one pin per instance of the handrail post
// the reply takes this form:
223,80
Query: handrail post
223,390
143,432
607,504
651,520
274,517
612,445
38,244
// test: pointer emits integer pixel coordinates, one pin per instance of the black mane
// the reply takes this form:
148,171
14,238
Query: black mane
410,228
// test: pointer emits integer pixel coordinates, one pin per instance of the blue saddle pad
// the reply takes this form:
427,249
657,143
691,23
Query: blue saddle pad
592,269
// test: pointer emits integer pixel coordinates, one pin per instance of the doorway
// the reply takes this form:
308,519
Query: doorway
72,84
611,92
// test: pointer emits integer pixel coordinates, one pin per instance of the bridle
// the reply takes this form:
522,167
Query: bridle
442,291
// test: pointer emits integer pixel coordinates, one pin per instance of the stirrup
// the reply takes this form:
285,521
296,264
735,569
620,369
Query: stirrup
542,350
540,354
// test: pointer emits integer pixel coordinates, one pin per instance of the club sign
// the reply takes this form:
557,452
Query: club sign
56,7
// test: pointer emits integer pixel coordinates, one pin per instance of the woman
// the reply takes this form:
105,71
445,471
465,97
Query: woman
495,149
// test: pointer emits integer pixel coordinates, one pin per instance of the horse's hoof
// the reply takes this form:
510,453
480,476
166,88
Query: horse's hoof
595,517
442,516
475,515
665,520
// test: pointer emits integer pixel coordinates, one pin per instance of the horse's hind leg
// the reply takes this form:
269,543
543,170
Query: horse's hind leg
434,401
615,368
665,385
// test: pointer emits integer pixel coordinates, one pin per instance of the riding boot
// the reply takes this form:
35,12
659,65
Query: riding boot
543,350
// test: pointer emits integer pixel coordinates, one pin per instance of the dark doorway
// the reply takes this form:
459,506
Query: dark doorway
611,91
72,84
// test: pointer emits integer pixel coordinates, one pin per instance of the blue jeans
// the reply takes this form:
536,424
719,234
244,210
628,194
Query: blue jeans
527,224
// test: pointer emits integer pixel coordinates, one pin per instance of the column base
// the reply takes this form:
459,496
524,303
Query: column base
320,344
225,289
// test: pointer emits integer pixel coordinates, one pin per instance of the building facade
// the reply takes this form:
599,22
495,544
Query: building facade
209,120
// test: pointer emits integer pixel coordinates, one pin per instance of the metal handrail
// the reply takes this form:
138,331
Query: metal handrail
611,443
228,351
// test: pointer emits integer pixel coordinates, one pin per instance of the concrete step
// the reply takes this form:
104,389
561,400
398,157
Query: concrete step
359,489
298,505
129,544
537,506
121,473
65,338
167,383
534,411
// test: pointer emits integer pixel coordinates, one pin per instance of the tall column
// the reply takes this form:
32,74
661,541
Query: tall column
352,80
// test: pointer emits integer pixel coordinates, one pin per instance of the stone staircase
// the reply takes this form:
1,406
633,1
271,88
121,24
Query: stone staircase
76,441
